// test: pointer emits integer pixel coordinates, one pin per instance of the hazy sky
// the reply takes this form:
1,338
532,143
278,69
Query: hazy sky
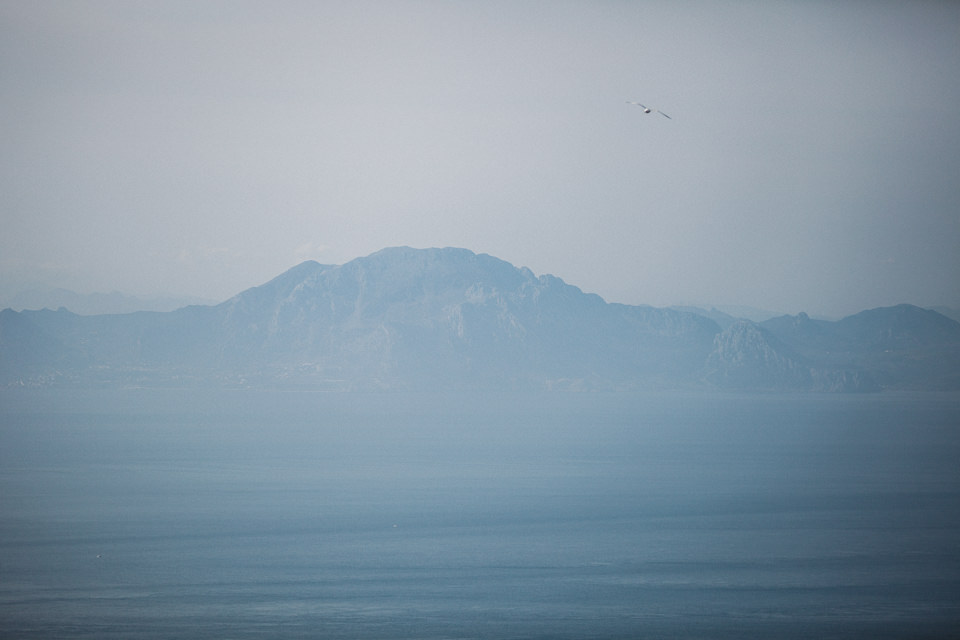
200,148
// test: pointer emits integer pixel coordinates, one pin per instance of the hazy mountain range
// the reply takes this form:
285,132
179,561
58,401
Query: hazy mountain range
428,319
91,304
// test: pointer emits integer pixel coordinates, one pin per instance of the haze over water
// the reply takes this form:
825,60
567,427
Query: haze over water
188,514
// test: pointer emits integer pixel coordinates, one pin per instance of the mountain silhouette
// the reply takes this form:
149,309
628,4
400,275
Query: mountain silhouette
449,318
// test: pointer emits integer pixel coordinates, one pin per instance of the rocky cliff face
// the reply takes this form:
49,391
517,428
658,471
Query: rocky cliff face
747,356
743,357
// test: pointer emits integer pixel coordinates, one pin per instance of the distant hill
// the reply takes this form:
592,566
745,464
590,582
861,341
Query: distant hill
428,319
898,347
721,318
94,303
725,315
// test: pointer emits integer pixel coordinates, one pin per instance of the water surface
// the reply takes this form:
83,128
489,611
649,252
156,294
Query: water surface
189,514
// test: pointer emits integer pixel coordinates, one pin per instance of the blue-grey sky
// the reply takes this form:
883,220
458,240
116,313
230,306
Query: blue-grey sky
199,148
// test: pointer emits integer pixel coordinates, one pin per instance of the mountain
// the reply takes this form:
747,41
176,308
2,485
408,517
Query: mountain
449,318
898,347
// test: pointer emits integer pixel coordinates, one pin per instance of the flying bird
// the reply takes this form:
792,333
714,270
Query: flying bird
647,109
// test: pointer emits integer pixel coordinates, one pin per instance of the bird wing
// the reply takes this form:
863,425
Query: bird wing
636,103
664,115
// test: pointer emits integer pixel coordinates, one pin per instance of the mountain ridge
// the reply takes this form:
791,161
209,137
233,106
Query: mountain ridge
449,318
90,304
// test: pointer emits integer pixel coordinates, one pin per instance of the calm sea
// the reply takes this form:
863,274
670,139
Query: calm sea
185,514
